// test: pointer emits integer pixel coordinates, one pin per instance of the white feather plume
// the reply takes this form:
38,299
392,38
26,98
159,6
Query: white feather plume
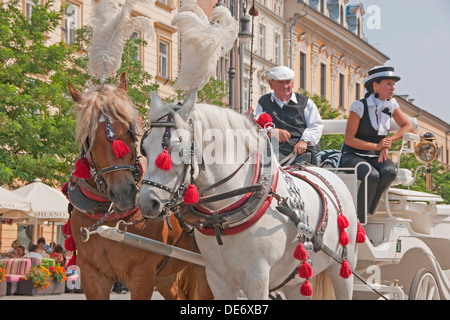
202,42
112,27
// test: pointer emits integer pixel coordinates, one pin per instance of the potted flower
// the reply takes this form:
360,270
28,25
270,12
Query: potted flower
2,280
58,274
36,281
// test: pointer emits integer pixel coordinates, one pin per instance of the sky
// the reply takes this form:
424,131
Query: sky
415,35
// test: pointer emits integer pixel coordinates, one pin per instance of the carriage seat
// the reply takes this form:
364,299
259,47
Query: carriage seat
404,177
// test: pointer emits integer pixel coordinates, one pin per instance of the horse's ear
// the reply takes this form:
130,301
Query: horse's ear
123,84
76,96
188,104
155,101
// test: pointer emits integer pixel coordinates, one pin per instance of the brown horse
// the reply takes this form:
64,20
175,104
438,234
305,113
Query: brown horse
107,126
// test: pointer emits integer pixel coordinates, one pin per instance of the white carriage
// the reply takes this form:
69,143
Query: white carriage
406,254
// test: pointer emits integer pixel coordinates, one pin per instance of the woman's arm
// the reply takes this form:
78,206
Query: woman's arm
404,124
351,140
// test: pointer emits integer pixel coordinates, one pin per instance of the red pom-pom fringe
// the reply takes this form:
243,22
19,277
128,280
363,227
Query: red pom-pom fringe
343,238
69,244
263,119
342,222
72,261
120,149
305,270
360,234
306,289
163,161
300,253
66,228
191,195
82,169
345,270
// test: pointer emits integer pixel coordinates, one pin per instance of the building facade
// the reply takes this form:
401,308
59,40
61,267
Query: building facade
321,40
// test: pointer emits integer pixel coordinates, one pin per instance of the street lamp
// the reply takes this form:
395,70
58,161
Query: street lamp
244,29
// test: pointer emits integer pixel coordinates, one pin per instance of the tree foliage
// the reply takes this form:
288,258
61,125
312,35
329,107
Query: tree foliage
37,125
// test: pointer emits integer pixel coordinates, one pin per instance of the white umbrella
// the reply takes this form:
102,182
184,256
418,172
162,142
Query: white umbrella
48,204
13,205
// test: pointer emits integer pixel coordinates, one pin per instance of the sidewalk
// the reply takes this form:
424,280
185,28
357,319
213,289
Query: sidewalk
74,296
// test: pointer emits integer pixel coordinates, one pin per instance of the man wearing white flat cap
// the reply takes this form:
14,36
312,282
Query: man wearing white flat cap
297,122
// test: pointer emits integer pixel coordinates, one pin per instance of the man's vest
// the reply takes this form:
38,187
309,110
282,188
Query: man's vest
291,118
365,132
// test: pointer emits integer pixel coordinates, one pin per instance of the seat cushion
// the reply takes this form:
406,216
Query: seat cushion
17,266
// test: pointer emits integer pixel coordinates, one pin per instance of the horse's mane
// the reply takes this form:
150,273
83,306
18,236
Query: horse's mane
112,101
222,119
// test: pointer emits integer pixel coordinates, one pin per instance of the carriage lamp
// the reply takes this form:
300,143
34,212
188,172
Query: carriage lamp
426,152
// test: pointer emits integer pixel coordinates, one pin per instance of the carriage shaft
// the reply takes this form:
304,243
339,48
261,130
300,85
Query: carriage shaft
150,245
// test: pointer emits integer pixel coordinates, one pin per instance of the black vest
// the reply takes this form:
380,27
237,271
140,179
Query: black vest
291,118
365,132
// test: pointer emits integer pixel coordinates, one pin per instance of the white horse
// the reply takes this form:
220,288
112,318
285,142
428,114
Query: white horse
253,252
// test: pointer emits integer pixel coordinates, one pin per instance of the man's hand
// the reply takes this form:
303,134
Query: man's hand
280,134
300,147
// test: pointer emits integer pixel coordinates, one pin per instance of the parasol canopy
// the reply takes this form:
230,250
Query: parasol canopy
13,205
47,204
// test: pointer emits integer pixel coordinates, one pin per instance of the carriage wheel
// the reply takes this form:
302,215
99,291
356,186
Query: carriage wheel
424,286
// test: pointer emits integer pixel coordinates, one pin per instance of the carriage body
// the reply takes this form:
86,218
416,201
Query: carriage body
406,251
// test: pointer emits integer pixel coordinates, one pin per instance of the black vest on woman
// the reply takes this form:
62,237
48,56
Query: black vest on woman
291,118
365,132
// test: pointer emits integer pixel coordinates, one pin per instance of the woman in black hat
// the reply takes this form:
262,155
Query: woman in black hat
367,139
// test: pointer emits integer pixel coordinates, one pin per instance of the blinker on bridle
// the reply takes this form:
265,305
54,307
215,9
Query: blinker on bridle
120,150
164,162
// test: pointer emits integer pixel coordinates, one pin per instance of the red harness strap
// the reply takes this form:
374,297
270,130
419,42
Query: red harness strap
253,219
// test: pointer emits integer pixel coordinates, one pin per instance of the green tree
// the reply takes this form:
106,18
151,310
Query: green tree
36,121
327,142
37,125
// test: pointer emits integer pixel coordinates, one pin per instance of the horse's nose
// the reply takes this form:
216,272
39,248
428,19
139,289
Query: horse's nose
124,198
149,204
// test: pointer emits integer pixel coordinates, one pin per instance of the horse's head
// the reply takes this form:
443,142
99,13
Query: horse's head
107,127
169,136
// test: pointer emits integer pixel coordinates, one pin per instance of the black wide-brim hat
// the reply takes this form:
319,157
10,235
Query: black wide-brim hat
380,73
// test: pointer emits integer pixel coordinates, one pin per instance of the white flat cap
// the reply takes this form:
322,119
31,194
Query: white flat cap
281,73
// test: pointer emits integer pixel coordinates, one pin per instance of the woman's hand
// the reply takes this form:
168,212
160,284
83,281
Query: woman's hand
383,155
385,143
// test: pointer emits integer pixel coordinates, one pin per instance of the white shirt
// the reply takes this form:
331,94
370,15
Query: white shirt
33,255
314,123
380,120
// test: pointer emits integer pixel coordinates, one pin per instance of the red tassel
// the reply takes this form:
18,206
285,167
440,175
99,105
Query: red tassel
264,119
305,270
345,270
163,161
69,244
66,228
360,234
343,238
82,169
65,189
120,149
300,253
342,222
72,261
306,289
191,195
